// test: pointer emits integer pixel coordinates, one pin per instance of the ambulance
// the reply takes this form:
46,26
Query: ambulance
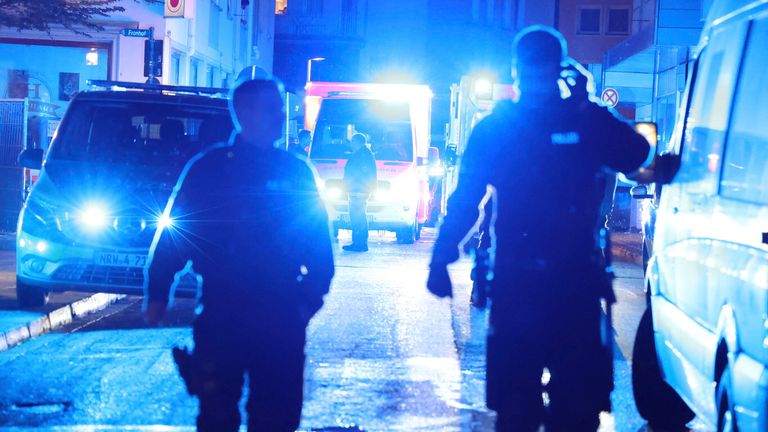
395,118
472,99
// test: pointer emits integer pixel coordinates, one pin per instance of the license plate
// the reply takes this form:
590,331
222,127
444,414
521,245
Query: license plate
120,259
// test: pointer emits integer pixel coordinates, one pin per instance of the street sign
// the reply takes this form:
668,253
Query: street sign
155,47
610,97
174,9
145,33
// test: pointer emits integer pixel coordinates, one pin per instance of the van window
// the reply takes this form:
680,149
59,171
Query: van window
139,133
708,116
745,168
386,124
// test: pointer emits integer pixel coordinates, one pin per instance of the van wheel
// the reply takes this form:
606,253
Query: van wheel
407,235
28,296
726,415
656,401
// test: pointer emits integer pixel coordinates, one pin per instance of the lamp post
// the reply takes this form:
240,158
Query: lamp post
309,66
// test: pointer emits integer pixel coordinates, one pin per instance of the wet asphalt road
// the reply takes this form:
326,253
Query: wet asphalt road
383,354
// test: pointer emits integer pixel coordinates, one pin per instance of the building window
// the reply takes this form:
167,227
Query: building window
244,44
313,7
194,70
349,17
618,21
209,77
589,21
175,68
281,7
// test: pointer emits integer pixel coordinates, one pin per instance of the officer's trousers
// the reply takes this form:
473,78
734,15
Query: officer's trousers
270,352
358,220
541,321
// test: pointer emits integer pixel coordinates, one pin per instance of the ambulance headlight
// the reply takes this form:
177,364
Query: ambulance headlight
383,195
484,88
93,217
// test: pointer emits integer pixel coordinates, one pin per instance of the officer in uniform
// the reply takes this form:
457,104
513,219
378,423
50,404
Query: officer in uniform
545,156
360,179
248,218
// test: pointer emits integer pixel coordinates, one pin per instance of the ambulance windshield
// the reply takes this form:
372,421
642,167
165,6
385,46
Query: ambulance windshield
386,124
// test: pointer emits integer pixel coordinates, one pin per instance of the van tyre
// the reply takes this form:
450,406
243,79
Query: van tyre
28,296
726,414
656,401
410,234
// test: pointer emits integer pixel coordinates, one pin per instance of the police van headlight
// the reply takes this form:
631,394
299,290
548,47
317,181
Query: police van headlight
164,221
93,217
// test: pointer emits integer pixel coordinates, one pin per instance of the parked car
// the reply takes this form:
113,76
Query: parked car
90,218
702,344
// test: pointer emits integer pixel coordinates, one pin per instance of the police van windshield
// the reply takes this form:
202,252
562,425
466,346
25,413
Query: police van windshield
141,133
386,124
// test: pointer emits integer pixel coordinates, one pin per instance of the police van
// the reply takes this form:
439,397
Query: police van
88,221
702,345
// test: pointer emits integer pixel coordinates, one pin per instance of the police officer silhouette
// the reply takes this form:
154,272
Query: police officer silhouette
545,156
248,218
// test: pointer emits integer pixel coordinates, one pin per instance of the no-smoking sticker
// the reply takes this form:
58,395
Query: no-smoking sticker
174,8
610,97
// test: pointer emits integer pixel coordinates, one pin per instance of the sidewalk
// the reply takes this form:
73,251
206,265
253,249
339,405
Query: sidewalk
7,241
16,325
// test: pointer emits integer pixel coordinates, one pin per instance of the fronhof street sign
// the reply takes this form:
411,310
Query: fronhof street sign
136,32
610,97
174,8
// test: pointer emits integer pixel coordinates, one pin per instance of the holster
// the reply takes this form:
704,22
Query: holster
188,369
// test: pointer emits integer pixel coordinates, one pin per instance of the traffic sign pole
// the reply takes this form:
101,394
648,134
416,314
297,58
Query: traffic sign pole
151,79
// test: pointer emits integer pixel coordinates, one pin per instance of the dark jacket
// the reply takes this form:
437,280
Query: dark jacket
253,225
546,160
360,171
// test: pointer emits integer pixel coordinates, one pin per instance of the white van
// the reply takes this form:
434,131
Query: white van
704,339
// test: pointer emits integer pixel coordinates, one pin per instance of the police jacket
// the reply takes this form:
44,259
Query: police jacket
546,162
360,171
253,225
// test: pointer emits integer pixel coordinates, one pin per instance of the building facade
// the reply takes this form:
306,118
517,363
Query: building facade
208,46
650,68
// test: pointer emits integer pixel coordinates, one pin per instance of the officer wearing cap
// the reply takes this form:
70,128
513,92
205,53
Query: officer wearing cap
248,218
542,159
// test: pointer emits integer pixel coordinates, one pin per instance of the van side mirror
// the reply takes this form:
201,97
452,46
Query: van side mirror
31,158
640,192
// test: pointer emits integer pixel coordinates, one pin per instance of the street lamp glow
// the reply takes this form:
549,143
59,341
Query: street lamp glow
92,57
309,66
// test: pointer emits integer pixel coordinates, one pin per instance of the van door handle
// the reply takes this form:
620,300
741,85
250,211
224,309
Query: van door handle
765,238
